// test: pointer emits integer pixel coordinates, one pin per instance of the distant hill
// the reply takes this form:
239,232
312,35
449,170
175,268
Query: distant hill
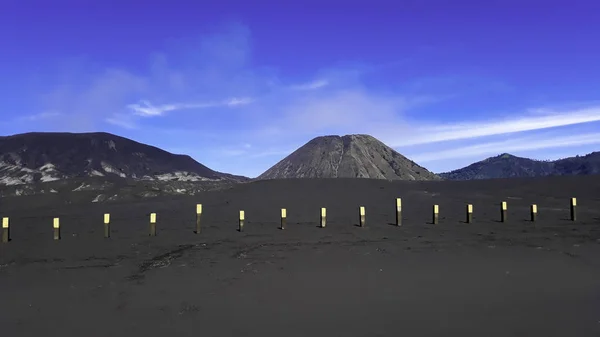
508,166
350,156
578,165
42,157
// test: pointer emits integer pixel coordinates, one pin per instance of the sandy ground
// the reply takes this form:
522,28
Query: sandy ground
486,278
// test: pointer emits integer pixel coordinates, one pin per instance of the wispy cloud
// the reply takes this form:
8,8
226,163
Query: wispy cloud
39,117
146,109
238,101
85,101
272,153
535,119
247,151
338,110
123,121
312,85
232,152
541,142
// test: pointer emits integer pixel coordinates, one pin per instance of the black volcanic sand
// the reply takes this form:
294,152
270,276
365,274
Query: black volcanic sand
452,279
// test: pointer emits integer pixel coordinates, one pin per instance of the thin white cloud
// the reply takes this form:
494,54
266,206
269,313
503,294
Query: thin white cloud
246,151
271,153
311,86
239,150
537,119
146,109
238,101
353,110
40,116
232,152
511,145
122,121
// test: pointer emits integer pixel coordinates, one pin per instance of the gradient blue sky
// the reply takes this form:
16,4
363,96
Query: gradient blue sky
240,84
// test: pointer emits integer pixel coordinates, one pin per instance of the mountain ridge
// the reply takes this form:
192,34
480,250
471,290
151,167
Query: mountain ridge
48,156
36,157
506,165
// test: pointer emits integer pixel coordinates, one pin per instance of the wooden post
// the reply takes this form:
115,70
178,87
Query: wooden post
436,213
5,230
152,224
503,210
106,225
533,212
323,217
56,225
362,216
242,218
573,209
469,213
398,212
283,218
198,218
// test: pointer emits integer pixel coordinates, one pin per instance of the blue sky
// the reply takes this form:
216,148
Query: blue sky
238,84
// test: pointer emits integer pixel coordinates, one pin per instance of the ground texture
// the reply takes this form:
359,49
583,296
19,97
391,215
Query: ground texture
486,278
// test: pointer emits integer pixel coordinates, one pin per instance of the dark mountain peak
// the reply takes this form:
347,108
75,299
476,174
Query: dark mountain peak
47,156
66,135
502,156
507,165
587,164
504,165
595,154
329,138
348,156
506,156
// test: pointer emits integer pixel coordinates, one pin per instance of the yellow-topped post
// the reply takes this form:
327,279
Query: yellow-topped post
152,224
573,209
198,218
241,221
398,212
283,218
534,212
362,216
5,230
323,217
106,225
56,226
436,214
469,213
503,211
